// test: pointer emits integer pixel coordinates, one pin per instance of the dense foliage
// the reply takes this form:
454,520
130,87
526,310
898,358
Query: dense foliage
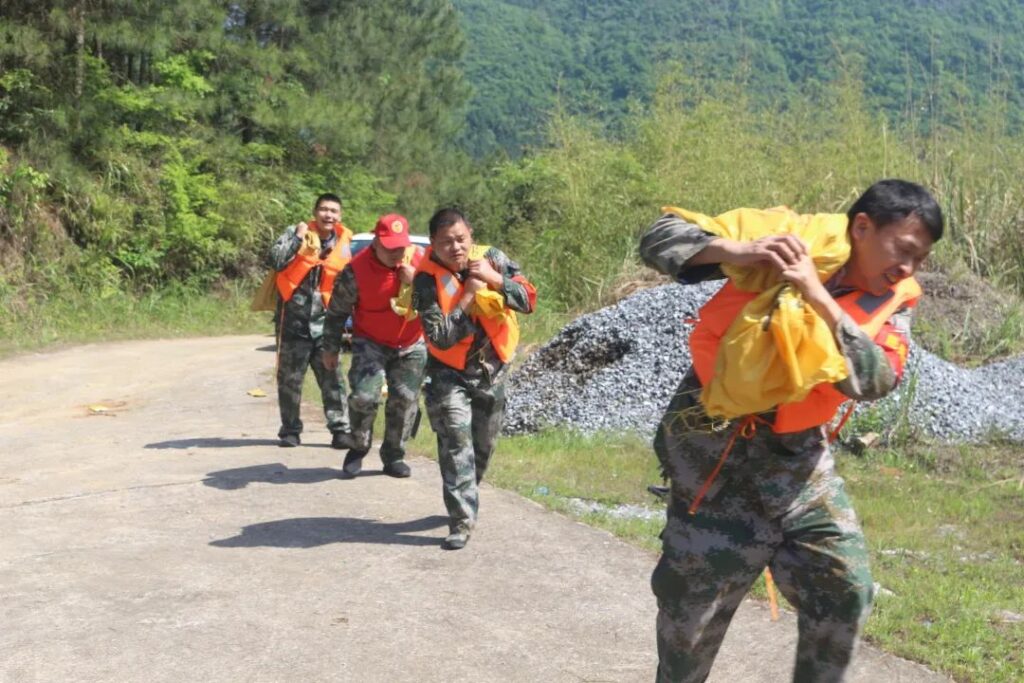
919,59
155,142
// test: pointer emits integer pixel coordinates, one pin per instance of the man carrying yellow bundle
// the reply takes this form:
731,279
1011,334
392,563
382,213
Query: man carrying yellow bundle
757,490
387,343
467,296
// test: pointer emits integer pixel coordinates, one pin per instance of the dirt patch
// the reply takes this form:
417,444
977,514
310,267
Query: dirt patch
633,278
967,320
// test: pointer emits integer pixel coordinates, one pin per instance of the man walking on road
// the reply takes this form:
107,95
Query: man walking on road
761,489
467,296
387,343
307,258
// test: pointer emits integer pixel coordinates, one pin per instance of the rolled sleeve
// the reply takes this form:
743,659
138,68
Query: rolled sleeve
670,242
284,249
871,376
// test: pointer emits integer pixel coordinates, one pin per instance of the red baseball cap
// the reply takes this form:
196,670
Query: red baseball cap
392,231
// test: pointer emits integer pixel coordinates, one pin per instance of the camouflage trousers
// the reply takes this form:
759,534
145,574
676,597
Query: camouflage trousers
777,502
466,413
294,357
372,364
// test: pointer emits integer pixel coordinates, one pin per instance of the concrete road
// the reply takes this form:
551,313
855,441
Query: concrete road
161,535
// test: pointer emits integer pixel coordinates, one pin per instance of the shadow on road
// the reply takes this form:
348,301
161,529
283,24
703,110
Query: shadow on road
274,473
309,532
211,442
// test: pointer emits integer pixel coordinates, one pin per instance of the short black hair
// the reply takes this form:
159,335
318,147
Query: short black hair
445,217
892,200
326,197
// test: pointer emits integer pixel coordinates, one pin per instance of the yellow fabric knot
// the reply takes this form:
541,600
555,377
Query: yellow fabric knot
778,348
310,244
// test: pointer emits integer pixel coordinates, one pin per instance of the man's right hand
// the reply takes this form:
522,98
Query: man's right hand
330,360
301,229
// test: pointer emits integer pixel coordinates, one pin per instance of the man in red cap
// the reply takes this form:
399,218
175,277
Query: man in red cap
387,343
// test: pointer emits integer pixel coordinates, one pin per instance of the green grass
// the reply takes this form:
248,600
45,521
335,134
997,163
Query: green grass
74,318
946,532
944,527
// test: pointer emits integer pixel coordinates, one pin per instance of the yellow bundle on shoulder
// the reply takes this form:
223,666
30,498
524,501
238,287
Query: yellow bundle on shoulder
490,304
401,304
778,348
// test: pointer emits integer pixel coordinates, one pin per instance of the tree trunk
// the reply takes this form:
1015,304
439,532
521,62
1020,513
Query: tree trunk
79,18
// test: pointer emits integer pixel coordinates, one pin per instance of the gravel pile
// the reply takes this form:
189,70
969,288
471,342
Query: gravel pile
616,369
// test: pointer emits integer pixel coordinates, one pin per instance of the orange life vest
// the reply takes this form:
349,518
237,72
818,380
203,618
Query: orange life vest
503,335
373,316
819,407
289,279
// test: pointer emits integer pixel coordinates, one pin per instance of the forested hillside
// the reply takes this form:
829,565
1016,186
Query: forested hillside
597,57
160,142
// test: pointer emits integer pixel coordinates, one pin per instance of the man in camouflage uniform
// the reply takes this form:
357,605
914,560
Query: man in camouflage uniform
777,501
300,314
385,344
466,394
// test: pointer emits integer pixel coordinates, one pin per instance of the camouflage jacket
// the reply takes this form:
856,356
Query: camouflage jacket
304,313
444,331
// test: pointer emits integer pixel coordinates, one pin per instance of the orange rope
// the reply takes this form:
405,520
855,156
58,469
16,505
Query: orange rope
773,599
745,428
842,422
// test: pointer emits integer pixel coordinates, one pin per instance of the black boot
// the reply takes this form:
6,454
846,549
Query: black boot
353,463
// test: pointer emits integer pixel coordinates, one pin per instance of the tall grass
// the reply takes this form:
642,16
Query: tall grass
573,211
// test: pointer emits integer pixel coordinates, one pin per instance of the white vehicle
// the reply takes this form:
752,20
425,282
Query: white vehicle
362,240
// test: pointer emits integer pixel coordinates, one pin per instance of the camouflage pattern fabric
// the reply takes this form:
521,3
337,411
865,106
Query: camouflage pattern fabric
294,357
299,326
372,364
777,502
466,413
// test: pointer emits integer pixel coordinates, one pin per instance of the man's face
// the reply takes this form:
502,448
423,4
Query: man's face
451,244
327,215
882,256
389,257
